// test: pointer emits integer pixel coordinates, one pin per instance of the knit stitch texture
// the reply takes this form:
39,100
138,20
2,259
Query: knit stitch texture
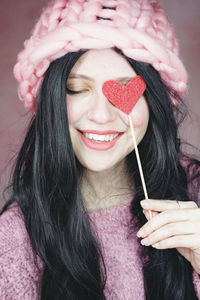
21,270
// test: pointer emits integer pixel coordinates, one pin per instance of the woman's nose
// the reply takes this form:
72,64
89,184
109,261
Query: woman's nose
101,110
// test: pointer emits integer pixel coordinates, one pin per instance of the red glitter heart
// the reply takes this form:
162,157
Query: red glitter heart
124,97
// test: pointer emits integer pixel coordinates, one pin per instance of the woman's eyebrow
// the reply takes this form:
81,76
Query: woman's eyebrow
119,79
72,76
124,79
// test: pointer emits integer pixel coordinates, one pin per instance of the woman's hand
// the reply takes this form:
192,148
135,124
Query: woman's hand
173,225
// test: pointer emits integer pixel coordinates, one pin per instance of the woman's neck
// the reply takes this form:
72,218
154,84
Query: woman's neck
107,189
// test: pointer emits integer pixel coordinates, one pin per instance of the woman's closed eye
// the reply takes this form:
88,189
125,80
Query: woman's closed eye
73,91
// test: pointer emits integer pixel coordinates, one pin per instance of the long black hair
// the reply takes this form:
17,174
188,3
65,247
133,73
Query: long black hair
46,188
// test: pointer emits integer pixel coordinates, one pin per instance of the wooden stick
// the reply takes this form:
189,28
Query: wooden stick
139,162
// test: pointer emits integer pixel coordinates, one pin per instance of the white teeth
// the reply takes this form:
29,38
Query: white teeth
97,137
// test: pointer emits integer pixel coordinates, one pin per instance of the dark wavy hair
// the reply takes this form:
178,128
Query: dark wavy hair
46,187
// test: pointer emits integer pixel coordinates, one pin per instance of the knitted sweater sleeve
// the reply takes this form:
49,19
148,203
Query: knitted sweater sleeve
20,268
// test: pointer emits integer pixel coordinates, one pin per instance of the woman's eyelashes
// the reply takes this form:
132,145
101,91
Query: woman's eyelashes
76,91
71,92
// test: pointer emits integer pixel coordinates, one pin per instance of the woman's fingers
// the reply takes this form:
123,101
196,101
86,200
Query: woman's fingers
162,205
153,213
175,224
169,230
166,217
191,242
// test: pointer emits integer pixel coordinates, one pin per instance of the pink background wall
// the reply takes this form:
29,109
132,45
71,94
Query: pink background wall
17,19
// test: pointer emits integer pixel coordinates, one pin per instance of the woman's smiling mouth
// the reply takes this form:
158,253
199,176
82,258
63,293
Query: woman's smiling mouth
100,140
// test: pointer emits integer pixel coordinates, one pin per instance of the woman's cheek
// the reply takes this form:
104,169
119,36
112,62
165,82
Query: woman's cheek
140,113
74,110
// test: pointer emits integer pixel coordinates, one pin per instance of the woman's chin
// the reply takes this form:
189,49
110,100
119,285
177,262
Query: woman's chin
97,167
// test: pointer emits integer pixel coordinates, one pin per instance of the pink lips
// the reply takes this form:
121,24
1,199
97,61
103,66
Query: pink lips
102,146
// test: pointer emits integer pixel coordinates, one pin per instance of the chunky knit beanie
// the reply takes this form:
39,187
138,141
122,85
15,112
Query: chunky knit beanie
139,28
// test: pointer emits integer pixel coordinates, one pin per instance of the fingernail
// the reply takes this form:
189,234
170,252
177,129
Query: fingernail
140,233
144,203
145,242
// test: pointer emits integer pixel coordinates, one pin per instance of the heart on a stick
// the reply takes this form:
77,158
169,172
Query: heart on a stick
124,97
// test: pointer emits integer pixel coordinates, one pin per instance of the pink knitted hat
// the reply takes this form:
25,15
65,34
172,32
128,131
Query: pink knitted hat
139,28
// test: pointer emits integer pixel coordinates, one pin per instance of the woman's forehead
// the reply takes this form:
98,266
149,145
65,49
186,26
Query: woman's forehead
102,63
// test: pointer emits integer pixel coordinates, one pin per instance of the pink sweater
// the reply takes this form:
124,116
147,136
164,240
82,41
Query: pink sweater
20,277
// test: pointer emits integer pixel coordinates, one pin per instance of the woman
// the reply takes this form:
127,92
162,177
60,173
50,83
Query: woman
73,225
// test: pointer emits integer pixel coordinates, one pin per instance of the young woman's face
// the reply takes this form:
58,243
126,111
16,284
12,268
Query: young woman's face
100,133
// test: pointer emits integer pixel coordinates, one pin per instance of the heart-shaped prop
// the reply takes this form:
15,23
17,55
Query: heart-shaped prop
124,97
